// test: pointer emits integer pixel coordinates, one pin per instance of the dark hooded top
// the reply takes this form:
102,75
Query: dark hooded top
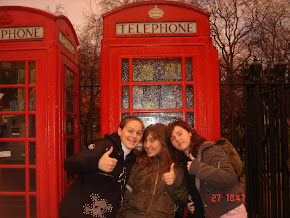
96,193
216,180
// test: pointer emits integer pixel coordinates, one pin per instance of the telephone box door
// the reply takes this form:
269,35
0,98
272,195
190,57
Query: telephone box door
18,166
160,85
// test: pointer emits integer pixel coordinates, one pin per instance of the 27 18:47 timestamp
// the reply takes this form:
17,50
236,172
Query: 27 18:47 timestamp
229,197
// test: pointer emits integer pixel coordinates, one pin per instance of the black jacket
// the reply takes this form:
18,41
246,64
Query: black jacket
96,193
193,192
195,196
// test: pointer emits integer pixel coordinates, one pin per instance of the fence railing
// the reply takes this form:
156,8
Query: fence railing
257,122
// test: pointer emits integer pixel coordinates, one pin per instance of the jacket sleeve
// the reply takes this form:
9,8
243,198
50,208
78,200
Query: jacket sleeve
179,188
216,170
85,161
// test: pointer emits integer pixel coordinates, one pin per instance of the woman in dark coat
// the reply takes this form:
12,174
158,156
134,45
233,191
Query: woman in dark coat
102,170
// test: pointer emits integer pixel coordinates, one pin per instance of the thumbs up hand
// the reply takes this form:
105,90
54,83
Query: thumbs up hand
106,163
190,162
169,177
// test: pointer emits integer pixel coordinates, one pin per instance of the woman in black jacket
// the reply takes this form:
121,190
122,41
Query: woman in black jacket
102,170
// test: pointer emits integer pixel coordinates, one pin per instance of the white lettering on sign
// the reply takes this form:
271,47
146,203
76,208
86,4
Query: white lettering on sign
156,28
21,33
66,43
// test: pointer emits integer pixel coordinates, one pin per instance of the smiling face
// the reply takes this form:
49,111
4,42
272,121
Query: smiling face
180,139
152,146
131,134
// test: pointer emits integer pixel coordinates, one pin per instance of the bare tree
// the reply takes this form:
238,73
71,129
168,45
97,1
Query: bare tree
59,9
108,5
90,36
231,21
271,38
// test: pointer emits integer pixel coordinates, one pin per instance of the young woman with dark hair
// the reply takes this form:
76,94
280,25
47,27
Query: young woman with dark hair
194,202
155,184
215,178
102,170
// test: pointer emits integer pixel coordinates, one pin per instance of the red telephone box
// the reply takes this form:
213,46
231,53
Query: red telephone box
158,63
38,109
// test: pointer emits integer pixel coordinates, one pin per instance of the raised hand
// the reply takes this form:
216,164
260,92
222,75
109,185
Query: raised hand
169,177
191,207
190,162
106,163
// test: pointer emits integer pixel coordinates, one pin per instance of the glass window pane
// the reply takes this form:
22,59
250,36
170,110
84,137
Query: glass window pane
12,73
165,118
171,97
69,102
33,206
12,153
69,147
31,99
31,72
32,180
13,126
189,96
70,80
69,125
70,144
125,97
12,206
3,126
190,118
12,99
188,69
157,69
125,70
125,115
12,180
157,97
32,153
31,119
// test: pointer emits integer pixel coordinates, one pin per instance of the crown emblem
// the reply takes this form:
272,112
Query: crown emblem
5,18
156,13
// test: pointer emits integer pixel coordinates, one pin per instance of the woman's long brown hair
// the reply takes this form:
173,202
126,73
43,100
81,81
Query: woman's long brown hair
196,140
159,132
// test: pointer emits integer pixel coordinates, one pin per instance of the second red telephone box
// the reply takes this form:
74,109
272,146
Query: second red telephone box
159,64
38,110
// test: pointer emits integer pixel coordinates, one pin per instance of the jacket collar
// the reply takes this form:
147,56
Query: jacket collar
156,159
114,137
204,145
